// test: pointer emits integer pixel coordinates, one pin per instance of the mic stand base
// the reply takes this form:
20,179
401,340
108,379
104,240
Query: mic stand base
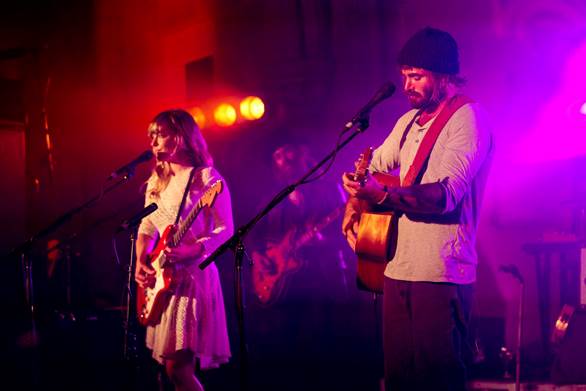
239,300
519,338
130,351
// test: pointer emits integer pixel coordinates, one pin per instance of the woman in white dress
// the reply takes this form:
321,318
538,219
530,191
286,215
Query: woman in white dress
193,325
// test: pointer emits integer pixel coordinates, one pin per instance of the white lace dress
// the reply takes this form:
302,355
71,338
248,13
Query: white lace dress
195,318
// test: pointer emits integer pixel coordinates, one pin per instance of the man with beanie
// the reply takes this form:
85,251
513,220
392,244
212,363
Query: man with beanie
428,283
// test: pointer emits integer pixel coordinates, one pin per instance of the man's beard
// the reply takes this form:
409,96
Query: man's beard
418,101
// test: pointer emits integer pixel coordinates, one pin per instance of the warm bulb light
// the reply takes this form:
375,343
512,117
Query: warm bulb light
198,115
225,114
252,108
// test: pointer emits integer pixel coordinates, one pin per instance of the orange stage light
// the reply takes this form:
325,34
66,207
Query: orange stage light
225,114
252,108
198,115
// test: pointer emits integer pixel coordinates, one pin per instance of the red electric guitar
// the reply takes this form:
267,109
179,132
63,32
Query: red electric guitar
151,301
280,260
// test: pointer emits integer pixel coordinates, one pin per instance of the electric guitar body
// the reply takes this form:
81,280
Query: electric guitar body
152,300
280,260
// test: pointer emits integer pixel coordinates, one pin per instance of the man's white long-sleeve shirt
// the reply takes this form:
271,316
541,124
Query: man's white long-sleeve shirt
441,248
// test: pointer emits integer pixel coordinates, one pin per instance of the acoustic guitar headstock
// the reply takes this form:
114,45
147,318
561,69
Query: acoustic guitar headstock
362,165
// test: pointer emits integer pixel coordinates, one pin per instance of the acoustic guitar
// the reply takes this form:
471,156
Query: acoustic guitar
377,231
152,301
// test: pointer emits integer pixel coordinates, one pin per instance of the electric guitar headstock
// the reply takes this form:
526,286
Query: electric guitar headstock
362,165
208,198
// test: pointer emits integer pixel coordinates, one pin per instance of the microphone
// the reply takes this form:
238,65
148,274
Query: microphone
128,169
136,219
383,93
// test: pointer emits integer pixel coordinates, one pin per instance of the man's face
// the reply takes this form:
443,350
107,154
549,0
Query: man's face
418,85
286,163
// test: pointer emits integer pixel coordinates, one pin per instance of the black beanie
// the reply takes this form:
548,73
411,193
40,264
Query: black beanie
431,49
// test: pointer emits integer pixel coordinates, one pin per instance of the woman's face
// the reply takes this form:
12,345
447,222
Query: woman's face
163,142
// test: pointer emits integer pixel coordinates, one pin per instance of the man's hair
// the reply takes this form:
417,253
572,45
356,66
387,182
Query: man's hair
431,49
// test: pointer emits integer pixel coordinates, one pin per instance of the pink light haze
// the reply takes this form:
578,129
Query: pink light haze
559,132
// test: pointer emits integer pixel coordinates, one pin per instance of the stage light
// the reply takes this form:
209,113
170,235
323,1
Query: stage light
225,114
583,109
252,108
198,115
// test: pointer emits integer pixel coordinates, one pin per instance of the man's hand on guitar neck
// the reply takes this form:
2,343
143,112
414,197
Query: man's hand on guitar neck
370,190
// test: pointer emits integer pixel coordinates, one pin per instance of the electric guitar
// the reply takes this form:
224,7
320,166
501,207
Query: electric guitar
272,267
151,301
561,325
377,231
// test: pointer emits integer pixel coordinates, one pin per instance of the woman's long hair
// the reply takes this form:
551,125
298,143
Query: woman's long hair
191,146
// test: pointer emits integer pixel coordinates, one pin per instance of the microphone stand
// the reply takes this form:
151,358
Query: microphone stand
511,269
128,335
130,353
27,245
235,242
24,248
131,225
519,336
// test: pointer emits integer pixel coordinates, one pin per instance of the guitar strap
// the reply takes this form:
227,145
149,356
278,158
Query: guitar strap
431,137
408,127
184,195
